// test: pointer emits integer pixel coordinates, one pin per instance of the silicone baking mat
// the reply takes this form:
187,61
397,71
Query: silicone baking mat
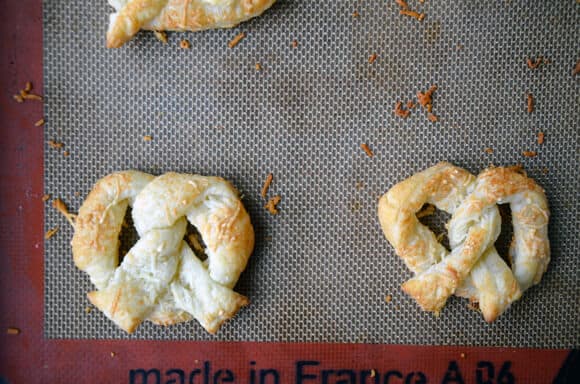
322,268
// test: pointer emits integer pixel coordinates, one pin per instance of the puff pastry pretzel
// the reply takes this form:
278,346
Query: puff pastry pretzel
160,278
178,15
472,269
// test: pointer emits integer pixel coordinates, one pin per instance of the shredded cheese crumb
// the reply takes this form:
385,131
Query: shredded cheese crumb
272,203
147,138
31,96
462,355
534,64
113,354
88,309
416,15
46,197
184,44
410,104
576,68
372,58
426,98
402,3
399,111
66,153
388,298
530,103
529,153
39,123
60,206
367,150
55,144
294,43
540,137
24,94
235,41
161,36
488,150
355,14
12,331
373,373
266,185
50,233
258,67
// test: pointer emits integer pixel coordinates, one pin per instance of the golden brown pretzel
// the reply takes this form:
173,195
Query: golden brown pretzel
160,278
472,269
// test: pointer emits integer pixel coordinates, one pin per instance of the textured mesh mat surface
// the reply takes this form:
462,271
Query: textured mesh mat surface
322,268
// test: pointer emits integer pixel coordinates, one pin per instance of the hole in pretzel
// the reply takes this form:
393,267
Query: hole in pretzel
193,239
502,244
435,219
128,235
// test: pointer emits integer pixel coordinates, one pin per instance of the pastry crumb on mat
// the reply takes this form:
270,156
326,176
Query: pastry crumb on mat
12,331
60,206
55,144
271,205
533,64
50,233
530,100
399,111
367,150
236,40
414,14
266,185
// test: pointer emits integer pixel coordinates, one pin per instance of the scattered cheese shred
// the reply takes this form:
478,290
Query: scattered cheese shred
266,185
271,206
236,40
367,150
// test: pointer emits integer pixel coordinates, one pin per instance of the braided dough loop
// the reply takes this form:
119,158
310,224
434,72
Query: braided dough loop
473,269
160,278
178,15
95,243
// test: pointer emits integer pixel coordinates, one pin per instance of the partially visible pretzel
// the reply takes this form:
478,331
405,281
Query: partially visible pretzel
160,278
178,15
472,269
